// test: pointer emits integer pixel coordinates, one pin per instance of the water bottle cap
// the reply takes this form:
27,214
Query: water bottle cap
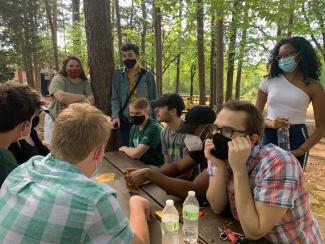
191,193
169,203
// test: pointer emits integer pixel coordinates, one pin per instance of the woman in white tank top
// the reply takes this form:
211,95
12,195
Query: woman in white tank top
292,83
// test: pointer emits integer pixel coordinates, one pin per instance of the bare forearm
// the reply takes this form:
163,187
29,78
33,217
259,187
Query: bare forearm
138,222
175,186
217,193
245,205
91,99
169,169
131,152
69,98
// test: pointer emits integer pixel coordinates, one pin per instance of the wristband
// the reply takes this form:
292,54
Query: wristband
212,169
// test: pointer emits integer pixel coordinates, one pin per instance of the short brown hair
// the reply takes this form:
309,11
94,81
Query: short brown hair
78,130
130,46
140,103
18,103
254,121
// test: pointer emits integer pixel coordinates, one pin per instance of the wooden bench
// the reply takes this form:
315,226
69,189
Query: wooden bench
117,162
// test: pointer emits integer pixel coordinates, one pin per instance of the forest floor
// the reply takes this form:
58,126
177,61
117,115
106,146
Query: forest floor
314,173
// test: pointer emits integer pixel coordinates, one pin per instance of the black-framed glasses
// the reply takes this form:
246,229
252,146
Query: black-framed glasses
286,55
225,131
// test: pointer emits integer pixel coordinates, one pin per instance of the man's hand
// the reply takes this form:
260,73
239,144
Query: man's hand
279,122
136,177
209,156
239,151
122,149
113,123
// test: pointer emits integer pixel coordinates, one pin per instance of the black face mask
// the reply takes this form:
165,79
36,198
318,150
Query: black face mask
35,121
129,63
221,144
137,120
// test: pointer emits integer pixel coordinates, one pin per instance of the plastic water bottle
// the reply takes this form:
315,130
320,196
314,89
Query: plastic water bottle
283,138
190,218
170,224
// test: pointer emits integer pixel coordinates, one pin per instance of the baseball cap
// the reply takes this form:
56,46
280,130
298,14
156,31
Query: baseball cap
198,115
172,100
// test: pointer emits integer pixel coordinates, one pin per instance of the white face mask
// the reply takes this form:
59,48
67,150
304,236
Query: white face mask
96,169
193,143
22,136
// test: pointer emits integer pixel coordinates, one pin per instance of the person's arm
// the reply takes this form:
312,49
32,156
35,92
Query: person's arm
318,101
135,152
179,167
217,191
115,100
68,98
89,94
91,99
256,218
139,215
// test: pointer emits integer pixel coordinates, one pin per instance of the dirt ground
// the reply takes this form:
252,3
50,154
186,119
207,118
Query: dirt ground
314,174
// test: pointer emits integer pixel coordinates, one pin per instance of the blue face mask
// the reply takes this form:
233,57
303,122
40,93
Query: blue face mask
288,65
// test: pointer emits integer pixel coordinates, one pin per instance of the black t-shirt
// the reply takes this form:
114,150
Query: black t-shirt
24,151
199,157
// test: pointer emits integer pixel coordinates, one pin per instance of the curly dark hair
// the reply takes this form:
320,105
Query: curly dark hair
130,46
64,66
309,63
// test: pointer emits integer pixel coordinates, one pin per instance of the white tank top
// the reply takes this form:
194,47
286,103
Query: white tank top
285,100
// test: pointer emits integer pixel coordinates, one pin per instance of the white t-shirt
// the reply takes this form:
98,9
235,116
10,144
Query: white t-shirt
285,100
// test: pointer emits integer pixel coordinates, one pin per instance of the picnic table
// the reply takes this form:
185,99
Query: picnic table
113,166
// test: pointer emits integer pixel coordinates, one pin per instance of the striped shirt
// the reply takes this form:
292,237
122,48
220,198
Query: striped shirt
277,179
50,201
172,144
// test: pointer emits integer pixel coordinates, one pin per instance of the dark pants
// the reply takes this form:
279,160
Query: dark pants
298,135
123,136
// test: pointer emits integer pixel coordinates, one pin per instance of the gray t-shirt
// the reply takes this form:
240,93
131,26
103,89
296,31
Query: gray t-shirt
172,144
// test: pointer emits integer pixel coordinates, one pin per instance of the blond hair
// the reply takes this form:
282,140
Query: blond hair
140,103
78,130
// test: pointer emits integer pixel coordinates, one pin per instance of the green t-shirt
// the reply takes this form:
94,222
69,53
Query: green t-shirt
150,136
62,83
7,164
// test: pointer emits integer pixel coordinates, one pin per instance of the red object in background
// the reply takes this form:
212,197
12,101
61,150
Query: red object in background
231,236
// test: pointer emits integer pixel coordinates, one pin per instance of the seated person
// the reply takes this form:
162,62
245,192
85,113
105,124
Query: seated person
144,143
58,202
264,185
30,146
195,126
17,108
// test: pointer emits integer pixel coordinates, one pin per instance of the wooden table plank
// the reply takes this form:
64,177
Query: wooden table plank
208,223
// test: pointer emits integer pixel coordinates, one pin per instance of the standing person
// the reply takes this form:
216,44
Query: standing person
58,202
292,83
128,83
144,141
17,109
67,87
264,185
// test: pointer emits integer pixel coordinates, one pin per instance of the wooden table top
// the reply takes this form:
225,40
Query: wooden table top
209,223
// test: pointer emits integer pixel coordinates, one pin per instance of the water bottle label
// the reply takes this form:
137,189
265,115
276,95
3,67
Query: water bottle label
190,215
170,226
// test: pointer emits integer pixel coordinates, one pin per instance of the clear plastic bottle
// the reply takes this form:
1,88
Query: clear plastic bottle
283,138
190,218
170,224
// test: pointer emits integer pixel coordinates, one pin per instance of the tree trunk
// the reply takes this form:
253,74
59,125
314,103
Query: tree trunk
219,58
178,58
75,11
242,47
28,65
20,76
144,32
200,50
100,54
158,46
290,19
132,13
212,63
37,72
193,69
63,26
119,30
232,51
53,33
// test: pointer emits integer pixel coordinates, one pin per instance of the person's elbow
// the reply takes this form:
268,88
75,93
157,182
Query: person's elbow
60,96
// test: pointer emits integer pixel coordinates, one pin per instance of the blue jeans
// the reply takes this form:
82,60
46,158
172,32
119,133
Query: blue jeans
123,136
298,135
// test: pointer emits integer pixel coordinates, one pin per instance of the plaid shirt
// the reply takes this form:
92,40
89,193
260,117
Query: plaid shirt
50,201
276,178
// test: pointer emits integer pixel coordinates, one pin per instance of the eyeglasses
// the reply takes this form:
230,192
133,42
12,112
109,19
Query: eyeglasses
225,131
285,55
